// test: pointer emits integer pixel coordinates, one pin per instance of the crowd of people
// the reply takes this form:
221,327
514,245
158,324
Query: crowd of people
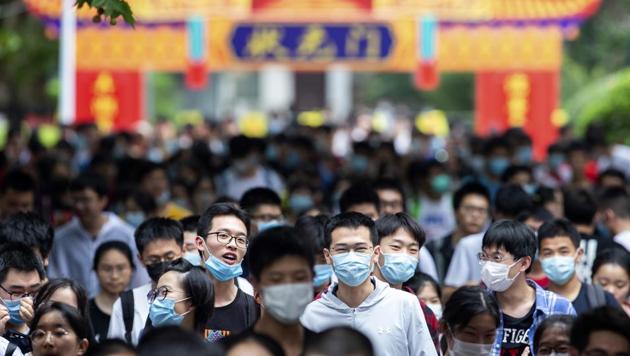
205,242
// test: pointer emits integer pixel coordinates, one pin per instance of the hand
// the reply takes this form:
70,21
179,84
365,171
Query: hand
26,310
4,318
526,352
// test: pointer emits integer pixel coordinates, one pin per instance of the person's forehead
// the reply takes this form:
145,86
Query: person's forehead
475,199
557,242
21,278
287,265
228,223
401,236
86,192
389,194
267,209
350,235
496,249
161,246
171,279
18,194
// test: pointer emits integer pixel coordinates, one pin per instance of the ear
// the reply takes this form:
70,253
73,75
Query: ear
327,256
103,202
83,346
526,262
141,260
201,245
377,255
579,254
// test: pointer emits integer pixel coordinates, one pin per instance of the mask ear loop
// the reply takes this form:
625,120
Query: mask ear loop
186,312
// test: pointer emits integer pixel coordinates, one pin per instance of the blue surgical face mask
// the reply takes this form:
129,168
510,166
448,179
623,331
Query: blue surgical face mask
555,160
134,218
221,270
193,257
359,164
398,267
559,269
13,306
300,202
264,225
323,272
162,312
352,268
498,165
524,155
440,183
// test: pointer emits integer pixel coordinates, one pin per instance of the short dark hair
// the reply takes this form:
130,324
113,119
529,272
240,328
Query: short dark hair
275,243
220,209
255,197
48,289
467,189
539,214
466,303
579,206
566,321
79,324
189,223
173,340
240,146
198,287
616,199
312,228
515,169
495,142
514,236
339,340
89,181
114,245
155,229
389,184
599,319
511,200
110,347
390,223
17,256
558,228
356,194
350,220
269,344
611,172
30,229
419,280
19,181
616,256
148,167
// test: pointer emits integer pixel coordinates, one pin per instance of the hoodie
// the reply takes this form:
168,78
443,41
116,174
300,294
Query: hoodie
390,318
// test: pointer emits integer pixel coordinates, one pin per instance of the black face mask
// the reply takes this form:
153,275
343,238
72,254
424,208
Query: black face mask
156,270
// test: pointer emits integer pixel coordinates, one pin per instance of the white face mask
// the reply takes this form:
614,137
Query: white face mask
286,302
461,348
436,308
495,275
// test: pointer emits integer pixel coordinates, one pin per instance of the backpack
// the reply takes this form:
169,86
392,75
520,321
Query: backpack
11,347
595,296
127,304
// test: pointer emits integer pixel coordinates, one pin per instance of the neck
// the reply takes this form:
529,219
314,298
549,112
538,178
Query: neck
354,296
519,293
585,229
94,225
189,321
224,292
105,301
458,234
570,290
21,328
290,337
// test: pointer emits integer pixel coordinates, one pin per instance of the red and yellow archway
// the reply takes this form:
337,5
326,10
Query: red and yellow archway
514,47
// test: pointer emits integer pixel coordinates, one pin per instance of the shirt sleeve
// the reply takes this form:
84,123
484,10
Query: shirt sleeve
116,323
418,336
427,264
457,274
56,266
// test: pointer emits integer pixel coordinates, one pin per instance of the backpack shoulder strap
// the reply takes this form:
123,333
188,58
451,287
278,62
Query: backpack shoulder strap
11,347
595,296
252,310
127,304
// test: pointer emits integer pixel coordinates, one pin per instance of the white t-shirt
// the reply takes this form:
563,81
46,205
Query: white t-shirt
427,263
437,218
623,238
464,265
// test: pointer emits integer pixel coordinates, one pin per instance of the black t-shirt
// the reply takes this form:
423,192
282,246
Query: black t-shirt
515,337
583,304
99,320
592,246
272,344
22,341
233,318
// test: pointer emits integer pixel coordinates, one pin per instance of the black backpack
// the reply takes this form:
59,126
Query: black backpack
10,349
127,304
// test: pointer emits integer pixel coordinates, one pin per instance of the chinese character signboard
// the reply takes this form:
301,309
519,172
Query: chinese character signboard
312,42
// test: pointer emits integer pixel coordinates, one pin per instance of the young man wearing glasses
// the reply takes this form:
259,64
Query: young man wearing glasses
159,241
508,249
387,316
222,242
21,276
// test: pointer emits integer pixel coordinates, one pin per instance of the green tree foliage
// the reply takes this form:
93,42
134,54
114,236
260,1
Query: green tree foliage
109,9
